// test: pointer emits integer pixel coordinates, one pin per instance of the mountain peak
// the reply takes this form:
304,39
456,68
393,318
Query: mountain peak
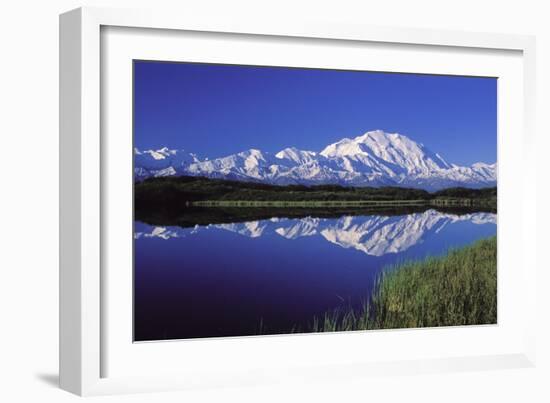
378,147
375,158
376,135
295,155
252,151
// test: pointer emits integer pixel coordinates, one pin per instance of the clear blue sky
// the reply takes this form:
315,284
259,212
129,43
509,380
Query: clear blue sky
216,110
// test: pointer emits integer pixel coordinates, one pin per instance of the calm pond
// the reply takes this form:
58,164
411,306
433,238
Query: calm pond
272,275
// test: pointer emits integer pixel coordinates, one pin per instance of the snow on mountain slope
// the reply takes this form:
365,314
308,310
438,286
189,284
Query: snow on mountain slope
372,235
250,164
394,152
297,157
163,162
375,158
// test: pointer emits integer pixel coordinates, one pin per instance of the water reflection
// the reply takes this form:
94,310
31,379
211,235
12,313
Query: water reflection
374,235
228,279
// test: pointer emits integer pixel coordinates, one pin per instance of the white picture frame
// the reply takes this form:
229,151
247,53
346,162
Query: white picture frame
82,197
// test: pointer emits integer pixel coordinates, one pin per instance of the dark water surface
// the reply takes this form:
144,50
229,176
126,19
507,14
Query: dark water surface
269,276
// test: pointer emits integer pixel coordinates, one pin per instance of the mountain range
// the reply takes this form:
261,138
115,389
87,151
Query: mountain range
375,158
373,235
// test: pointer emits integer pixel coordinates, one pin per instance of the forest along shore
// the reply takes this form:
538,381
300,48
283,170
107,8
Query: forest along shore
188,191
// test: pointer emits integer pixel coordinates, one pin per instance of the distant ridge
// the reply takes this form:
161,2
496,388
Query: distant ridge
375,158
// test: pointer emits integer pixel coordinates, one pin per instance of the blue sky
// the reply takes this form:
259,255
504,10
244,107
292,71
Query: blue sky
216,110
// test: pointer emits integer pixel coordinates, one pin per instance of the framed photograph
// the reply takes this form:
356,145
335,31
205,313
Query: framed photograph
237,197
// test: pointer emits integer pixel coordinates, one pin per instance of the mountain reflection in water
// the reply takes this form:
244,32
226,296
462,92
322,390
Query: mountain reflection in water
374,235
268,276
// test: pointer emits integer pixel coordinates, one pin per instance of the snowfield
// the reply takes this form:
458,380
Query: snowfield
375,158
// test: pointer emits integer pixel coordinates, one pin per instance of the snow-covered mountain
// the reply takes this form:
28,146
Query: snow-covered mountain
373,235
375,158
163,162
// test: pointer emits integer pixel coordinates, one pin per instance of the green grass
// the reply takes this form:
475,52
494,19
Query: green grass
457,289
195,215
182,191
340,203
306,203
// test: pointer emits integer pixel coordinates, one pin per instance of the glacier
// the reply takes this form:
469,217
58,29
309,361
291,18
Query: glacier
375,158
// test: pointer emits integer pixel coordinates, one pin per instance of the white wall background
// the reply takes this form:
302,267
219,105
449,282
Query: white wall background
29,201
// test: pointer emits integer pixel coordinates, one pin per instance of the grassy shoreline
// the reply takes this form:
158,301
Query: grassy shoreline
178,193
306,203
459,288
339,203
195,215
188,201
